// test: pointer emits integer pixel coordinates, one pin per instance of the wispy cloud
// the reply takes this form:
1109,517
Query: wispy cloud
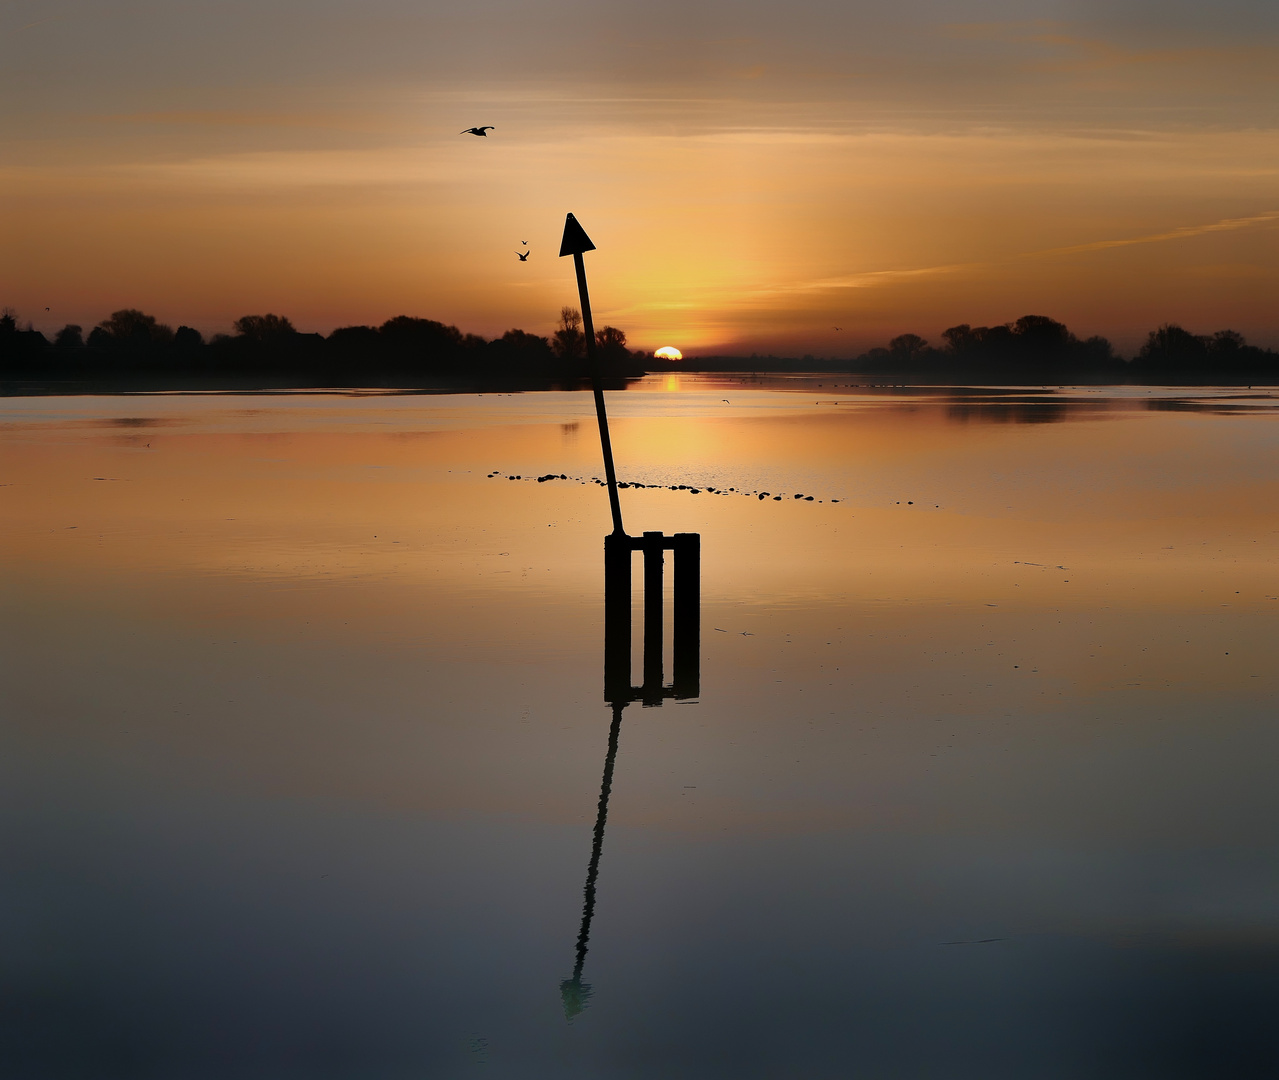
1185,232
245,118
867,279
872,278
40,22
1066,50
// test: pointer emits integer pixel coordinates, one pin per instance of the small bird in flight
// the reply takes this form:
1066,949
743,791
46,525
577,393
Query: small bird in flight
524,242
483,131
839,328
523,255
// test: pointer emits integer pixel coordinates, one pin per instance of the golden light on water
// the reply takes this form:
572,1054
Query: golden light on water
991,614
668,352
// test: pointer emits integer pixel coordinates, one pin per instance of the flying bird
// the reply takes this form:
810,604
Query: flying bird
523,255
839,328
483,131
524,242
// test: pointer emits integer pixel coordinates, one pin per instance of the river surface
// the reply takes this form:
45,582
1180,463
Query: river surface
303,731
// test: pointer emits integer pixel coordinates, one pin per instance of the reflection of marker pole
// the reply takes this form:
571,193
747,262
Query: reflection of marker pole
575,242
575,993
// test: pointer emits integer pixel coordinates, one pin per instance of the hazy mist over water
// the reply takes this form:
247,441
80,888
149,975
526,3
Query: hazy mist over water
304,727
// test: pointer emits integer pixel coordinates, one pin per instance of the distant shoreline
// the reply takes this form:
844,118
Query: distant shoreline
132,353
125,386
128,386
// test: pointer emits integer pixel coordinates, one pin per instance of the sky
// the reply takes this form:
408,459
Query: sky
813,176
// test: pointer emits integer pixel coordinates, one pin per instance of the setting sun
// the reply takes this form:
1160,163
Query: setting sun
668,352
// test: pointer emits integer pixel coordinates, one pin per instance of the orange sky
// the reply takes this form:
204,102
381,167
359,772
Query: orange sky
753,177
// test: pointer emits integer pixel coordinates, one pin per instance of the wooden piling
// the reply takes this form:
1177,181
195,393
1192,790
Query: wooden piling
617,618
688,614
653,560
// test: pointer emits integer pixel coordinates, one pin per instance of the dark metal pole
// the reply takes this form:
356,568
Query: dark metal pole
610,474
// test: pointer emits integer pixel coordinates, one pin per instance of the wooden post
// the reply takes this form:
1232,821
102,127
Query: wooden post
688,614
617,618
653,559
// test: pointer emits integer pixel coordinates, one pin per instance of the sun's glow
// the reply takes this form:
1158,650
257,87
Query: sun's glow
668,352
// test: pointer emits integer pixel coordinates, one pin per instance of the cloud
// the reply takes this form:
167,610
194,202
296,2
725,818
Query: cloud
40,22
246,118
868,279
1185,232
873,278
1181,62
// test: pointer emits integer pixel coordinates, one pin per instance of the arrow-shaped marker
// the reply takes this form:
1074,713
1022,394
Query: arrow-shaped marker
575,242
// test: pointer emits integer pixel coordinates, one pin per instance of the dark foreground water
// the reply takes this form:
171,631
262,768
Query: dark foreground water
302,731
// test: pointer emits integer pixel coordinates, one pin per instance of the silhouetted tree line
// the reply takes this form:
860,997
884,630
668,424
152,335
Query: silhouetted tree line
132,348
1033,350
266,350
1036,349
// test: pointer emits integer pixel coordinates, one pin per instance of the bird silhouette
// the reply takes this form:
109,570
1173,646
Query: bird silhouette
483,131
524,242
839,328
523,255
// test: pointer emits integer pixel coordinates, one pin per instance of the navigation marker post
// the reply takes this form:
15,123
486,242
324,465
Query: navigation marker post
618,691
618,548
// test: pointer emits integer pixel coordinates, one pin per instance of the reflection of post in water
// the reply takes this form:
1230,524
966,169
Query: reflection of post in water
574,992
618,691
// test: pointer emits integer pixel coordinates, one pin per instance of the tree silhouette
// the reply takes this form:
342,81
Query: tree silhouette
1228,343
907,347
187,338
354,340
131,328
615,359
1172,348
412,334
263,328
610,342
69,337
568,341
610,338
1179,355
1042,333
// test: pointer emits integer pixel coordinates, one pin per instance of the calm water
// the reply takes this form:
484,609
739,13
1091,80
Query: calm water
303,731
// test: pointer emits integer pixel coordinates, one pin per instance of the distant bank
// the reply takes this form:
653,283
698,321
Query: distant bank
1033,351
132,352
